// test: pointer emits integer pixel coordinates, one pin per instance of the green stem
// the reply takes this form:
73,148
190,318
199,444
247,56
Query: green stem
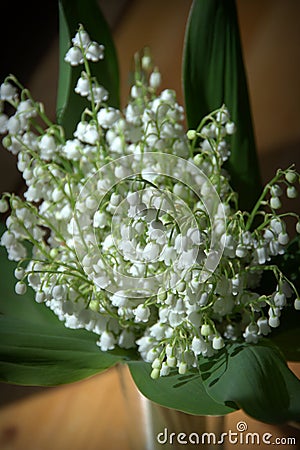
260,200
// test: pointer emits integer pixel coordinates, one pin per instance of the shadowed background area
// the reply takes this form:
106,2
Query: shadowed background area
91,414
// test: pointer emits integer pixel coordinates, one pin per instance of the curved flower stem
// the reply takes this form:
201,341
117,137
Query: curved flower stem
260,200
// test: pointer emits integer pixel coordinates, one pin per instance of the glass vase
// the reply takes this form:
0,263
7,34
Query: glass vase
153,427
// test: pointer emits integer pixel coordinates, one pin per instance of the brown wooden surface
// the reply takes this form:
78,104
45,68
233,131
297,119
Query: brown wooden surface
91,414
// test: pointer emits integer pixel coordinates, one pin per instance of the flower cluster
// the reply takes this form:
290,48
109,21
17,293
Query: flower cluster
135,230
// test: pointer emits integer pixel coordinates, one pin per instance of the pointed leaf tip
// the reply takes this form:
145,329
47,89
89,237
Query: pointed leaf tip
214,74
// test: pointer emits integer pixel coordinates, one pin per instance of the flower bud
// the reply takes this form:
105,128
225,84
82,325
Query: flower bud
155,374
291,176
146,62
206,329
19,273
297,304
191,134
165,370
276,190
283,238
156,364
182,368
230,128
274,322
20,288
3,205
162,294
155,80
40,297
218,343
275,203
279,299
171,361
291,192
115,199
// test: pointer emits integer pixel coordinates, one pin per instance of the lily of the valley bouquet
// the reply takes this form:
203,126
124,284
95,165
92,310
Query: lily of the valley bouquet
152,245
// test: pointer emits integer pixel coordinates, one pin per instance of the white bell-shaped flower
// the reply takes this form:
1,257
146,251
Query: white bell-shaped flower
94,51
83,86
7,91
74,56
141,313
81,39
107,341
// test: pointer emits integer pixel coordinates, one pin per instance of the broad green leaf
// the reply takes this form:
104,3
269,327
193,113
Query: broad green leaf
35,347
48,355
184,393
214,74
252,377
69,104
257,379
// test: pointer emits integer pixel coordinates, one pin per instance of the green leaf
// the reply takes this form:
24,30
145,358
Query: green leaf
69,104
252,377
257,379
48,355
214,74
184,393
35,347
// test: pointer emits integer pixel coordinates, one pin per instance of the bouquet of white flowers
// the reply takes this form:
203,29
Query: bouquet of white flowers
132,229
